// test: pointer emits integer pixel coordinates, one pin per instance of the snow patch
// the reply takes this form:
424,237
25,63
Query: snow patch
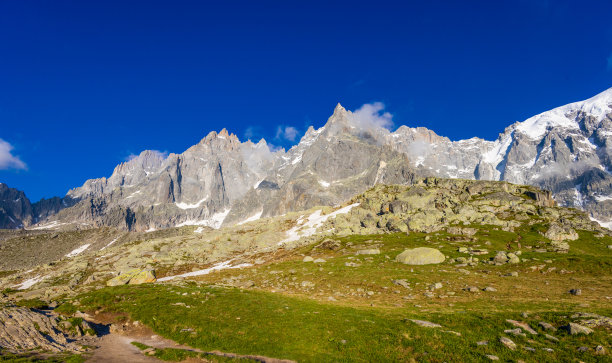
109,244
497,153
48,225
215,221
314,221
29,283
324,184
133,194
78,251
535,127
252,218
219,266
297,160
607,225
602,198
191,206
199,230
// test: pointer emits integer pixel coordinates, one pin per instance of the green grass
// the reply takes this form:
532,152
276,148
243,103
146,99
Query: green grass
27,358
66,309
32,304
252,322
140,345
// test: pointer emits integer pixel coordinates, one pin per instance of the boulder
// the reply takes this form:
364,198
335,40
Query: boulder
372,251
575,329
143,277
420,256
559,233
133,277
508,343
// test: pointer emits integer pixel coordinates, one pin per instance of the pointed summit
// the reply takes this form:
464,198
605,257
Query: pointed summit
339,109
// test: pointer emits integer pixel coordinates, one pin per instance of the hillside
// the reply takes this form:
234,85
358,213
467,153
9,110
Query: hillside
502,255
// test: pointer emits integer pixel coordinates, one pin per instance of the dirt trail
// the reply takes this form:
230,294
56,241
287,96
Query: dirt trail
117,348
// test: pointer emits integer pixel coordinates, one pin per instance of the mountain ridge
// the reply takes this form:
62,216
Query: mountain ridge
222,180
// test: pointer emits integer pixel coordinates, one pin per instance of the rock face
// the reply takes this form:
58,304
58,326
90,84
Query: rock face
221,180
16,210
23,330
420,256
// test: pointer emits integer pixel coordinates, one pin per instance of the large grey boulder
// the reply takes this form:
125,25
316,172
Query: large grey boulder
420,256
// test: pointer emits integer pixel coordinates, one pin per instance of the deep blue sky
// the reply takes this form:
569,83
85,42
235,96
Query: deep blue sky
84,84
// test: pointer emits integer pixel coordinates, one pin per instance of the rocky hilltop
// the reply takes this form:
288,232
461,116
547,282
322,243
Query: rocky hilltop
222,180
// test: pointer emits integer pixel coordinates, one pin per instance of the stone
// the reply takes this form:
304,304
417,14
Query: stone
512,274
600,350
372,251
437,285
420,256
307,259
500,257
307,284
576,292
471,289
513,259
522,325
425,324
483,342
508,343
547,326
575,329
319,260
550,337
492,357
330,244
489,289
516,331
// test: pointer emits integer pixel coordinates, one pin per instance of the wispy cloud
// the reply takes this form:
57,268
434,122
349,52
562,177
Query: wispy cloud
288,133
251,132
132,156
371,116
7,159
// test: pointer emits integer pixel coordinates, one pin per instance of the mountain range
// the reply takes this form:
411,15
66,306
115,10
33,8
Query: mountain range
223,181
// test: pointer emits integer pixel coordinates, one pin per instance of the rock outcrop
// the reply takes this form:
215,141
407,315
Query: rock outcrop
25,330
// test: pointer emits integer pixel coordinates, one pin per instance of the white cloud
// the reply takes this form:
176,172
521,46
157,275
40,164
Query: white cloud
286,132
251,132
7,159
371,116
162,154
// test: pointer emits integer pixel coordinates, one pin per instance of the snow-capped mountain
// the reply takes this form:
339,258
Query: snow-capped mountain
224,181
566,150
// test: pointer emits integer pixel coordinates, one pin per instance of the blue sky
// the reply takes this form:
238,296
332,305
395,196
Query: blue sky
84,84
